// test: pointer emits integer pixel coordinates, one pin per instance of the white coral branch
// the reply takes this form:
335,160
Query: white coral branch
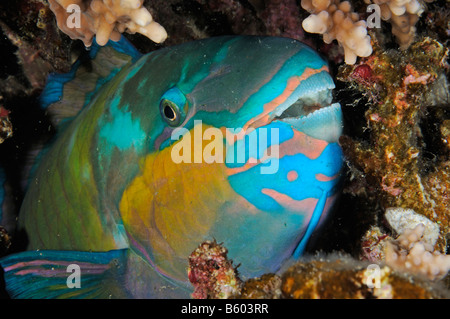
106,19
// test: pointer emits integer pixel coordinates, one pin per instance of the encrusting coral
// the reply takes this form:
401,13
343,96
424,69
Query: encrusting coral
402,220
105,19
336,20
268,286
329,276
341,277
393,158
211,273
373,245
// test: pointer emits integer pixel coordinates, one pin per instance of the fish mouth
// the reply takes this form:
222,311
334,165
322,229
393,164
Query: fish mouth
313,113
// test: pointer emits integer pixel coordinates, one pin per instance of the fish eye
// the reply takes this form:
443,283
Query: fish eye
170,112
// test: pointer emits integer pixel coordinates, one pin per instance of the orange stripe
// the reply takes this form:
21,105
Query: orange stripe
306,205
300,143
324,178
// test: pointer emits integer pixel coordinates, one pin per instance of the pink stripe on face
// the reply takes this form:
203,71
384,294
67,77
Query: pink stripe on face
300,143
324,178
83,265
305,206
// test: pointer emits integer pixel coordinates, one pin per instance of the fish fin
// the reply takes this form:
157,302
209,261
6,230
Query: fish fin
66,94
47,274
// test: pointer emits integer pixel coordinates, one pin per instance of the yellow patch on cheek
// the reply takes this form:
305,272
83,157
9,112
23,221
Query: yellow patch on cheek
170,208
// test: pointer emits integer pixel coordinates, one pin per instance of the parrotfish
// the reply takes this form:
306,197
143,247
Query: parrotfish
233,139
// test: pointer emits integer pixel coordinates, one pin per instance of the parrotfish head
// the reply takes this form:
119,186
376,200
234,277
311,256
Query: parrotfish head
237,142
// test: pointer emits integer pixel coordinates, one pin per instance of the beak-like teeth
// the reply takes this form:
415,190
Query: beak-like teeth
307,104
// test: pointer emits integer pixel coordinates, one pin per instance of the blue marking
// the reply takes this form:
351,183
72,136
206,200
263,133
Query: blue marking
123,131
53,91
306,186
318,210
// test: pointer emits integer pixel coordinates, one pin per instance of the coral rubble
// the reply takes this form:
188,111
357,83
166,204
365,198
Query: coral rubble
268,286
334,276
402,220
345,278
373,245
106,19
211,273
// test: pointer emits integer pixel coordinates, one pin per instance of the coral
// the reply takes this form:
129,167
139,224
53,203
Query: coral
336,20
404,219
403,15
211,273
393,158
373,245
105,19
412,251
329,276
342,277
268,286
409,253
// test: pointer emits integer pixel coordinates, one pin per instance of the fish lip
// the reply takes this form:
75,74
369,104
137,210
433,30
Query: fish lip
324,123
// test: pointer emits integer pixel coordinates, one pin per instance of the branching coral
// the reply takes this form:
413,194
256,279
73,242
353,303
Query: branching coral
335,20
411,254
106,19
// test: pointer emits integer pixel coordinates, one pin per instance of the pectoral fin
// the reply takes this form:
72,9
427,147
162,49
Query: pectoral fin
65,274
